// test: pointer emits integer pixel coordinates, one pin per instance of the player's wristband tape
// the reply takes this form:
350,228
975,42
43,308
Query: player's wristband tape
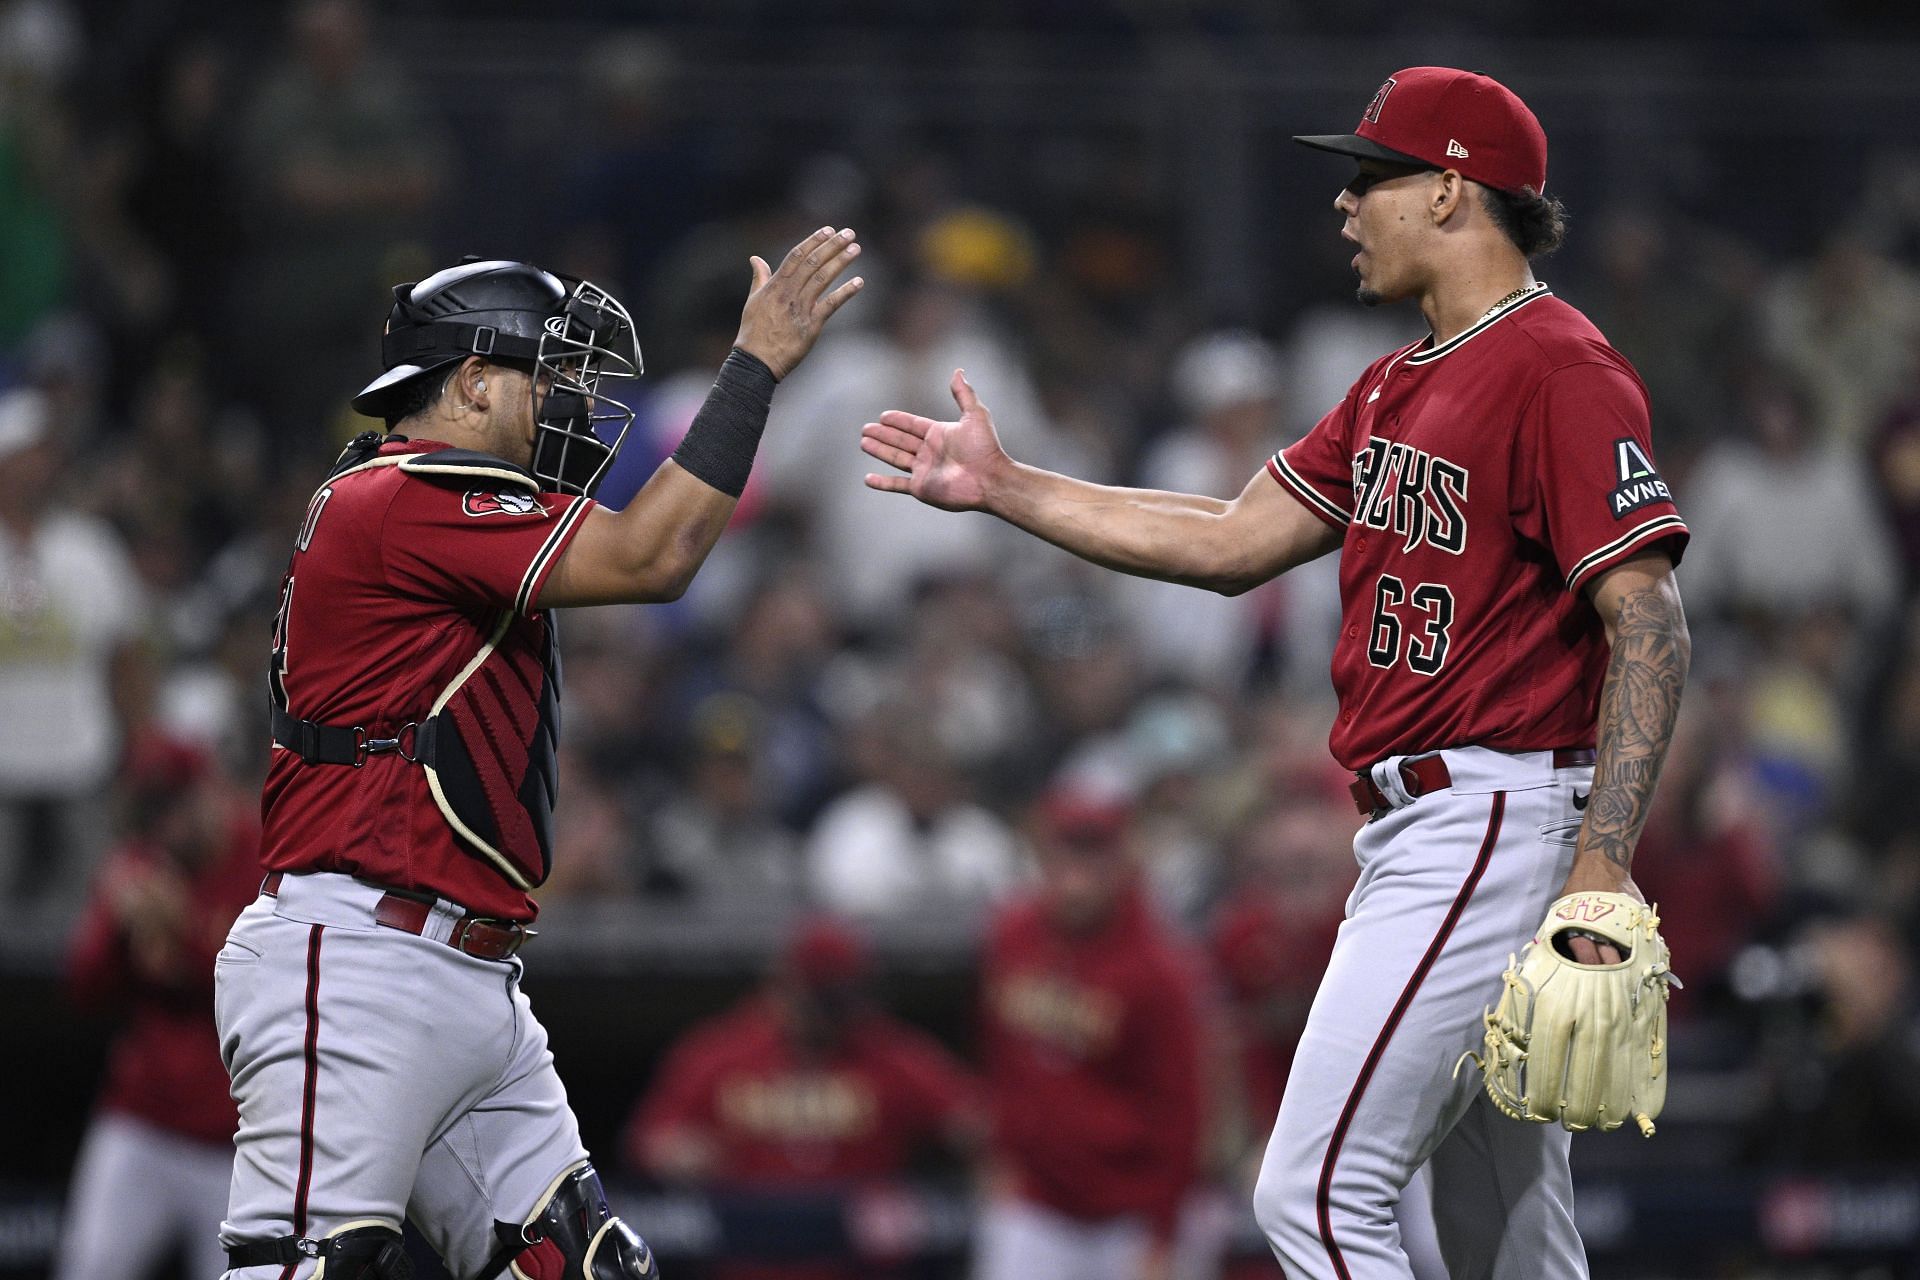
725,434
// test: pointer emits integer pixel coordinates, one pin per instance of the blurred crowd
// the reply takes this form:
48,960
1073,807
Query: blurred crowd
872,710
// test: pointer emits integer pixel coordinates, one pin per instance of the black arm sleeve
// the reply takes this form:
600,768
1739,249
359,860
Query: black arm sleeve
720,445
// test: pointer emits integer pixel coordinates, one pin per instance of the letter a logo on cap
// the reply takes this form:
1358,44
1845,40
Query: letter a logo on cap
1372,114
1455,150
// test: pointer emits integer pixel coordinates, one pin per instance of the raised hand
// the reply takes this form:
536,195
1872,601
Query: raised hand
950,465
786,309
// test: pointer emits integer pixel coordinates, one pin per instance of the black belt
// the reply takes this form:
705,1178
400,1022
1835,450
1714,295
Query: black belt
1430,773
317,743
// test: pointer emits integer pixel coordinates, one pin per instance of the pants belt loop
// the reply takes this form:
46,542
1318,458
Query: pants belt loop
442,918
1386,775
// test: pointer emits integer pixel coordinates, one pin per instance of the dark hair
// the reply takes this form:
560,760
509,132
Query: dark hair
419,395
1535,223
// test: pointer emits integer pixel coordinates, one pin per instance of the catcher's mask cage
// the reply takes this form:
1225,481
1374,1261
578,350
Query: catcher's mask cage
589,339
568,334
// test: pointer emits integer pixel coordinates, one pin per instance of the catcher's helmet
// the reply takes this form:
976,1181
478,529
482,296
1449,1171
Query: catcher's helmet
514,313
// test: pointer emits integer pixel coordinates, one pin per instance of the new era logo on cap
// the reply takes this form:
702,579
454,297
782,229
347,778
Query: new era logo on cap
1449,119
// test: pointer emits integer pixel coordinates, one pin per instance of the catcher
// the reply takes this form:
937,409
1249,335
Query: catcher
386,1063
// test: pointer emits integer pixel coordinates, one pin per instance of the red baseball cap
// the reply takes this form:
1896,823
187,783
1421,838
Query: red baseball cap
1448,119
823,952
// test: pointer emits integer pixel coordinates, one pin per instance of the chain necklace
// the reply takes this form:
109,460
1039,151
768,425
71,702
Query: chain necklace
1515,296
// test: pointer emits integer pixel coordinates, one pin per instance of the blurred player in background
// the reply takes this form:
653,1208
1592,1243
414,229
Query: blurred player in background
152,1174
805,1086
1093,1055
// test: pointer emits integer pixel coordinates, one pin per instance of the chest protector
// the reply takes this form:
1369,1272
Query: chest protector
488,741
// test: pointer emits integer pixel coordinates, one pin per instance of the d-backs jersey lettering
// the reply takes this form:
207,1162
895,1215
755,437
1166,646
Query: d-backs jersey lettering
412,591
1481,485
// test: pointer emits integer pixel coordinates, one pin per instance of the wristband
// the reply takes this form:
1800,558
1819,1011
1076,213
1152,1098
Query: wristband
719,447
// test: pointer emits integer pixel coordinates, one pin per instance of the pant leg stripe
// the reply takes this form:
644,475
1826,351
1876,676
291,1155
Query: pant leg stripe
312,1086
1323,1202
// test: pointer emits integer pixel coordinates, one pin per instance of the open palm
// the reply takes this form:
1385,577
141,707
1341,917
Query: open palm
949,465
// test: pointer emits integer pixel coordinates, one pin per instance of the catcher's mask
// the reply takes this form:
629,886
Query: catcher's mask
570,330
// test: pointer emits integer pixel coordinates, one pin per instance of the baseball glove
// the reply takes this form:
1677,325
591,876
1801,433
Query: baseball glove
1584,1044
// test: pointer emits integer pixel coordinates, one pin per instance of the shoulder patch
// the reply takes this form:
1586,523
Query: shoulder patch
480,502
1639,485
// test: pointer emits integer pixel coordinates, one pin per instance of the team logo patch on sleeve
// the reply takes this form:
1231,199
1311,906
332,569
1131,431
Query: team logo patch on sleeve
1640,485
481,503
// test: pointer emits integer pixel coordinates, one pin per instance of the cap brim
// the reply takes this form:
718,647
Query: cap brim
1352,144
378,397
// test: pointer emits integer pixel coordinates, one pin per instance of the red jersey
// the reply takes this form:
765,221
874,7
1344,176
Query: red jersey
1092,1046
405,585
165,1066
781,1116
1481,484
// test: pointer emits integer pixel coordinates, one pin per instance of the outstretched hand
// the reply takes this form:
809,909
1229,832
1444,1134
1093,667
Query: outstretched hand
950,465
786,309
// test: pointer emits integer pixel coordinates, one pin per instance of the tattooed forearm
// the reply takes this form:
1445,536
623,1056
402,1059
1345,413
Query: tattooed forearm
1638,706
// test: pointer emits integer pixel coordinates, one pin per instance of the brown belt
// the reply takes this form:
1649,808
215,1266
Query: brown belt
482,937
1429,773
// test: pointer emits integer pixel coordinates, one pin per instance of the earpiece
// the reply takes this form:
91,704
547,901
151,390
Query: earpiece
480,386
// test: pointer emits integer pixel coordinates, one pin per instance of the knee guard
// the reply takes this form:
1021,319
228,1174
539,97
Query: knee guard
572,1234
357,1251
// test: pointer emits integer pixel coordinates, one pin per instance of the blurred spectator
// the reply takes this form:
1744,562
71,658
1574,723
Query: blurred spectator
1092,1047
1893,452
1846,324
963,668
1707,858
1085,664
778,654
1228,390
38,44
152,1175
340,166
592,838
632,149
716,838
70,612
1755,499
1844,1051
935,320
1162,763
807,1086
910,842
181,165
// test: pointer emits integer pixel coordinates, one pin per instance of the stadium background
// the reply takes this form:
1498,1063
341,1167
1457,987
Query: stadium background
1093,206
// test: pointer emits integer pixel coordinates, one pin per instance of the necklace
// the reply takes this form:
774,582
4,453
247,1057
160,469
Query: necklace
1515,296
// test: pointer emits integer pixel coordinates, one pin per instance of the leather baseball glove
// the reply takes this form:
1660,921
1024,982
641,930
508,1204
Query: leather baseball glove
1584,1044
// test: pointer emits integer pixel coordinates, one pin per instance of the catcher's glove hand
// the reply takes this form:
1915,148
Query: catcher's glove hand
1584,1044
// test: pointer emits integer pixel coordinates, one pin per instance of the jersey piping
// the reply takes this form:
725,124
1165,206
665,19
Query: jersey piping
536,574
1321,505
1475,330
1646,530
